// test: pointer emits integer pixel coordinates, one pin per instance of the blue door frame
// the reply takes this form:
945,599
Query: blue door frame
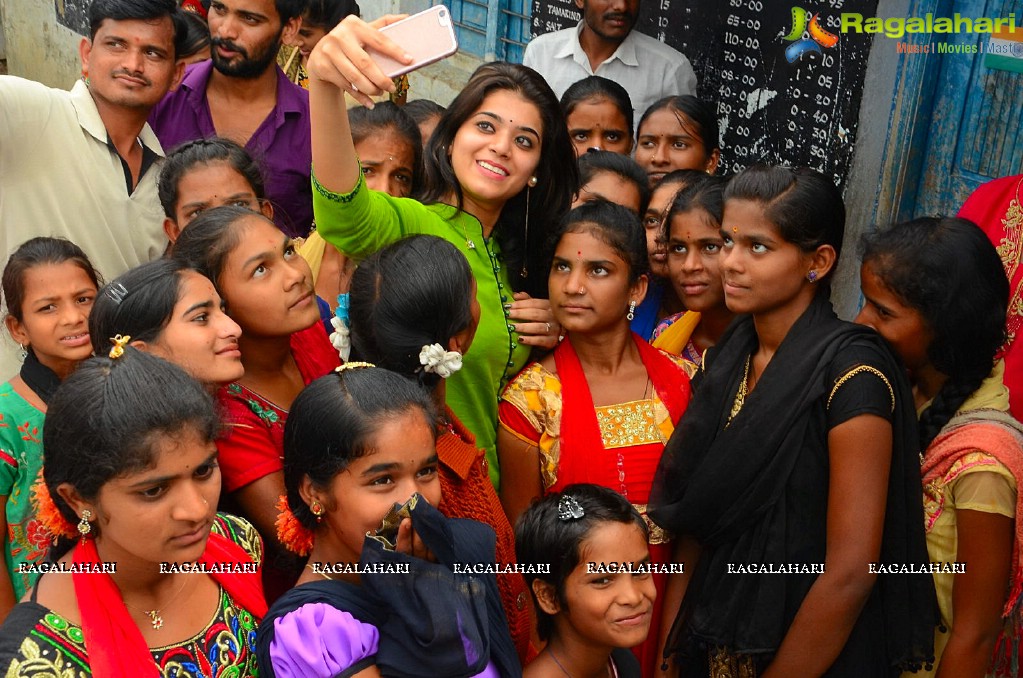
953,122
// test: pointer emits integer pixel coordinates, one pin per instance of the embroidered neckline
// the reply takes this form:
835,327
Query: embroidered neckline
1010,248
271,415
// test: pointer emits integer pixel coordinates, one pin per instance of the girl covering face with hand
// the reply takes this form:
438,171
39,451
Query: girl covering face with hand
414,311
357,443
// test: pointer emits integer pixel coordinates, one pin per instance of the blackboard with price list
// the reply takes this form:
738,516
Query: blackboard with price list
770,109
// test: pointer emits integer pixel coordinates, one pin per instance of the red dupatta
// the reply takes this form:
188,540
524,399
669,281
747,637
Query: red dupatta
576,460
112,638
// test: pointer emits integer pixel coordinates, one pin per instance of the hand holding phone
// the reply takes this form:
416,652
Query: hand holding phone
335,56
428,36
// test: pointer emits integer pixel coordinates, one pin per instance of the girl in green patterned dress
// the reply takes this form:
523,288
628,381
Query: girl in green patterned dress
49,287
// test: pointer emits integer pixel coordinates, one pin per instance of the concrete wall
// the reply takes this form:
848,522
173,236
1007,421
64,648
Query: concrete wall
439,82
3,40
38,47
862,188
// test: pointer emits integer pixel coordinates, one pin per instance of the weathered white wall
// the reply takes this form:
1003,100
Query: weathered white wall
3,40
439,82
38,47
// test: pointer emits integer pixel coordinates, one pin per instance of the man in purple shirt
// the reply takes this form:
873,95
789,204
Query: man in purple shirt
241,94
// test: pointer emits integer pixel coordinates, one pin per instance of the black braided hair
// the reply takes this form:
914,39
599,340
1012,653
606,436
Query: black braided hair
948,271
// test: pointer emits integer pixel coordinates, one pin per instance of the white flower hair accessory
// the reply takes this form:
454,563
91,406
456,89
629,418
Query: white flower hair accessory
435,359
341,338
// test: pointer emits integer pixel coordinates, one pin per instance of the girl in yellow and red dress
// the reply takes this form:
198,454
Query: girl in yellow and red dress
618,396
936,290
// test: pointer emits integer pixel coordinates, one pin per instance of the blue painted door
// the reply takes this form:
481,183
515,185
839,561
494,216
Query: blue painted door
975,122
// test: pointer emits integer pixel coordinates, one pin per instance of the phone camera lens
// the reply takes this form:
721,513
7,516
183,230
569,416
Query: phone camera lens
442,14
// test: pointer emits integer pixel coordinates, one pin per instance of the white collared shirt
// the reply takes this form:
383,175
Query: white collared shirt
59,178
647,68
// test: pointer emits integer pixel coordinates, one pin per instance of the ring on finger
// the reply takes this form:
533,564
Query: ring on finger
548,328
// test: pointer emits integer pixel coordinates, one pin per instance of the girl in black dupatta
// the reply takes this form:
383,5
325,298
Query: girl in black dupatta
795,467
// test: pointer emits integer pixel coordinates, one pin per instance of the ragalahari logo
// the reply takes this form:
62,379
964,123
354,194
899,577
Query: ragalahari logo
807,35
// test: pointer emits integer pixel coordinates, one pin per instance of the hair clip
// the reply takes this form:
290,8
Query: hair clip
117,292
354,365
569,508
120,341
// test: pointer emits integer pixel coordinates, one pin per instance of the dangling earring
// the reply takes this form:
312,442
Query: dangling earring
525,237
23,353
84,527
630,316
812,276
317,510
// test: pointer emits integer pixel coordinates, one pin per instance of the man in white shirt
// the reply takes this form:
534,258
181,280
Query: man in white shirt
83,165
604,44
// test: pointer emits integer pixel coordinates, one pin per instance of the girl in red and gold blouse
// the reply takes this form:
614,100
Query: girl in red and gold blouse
615,397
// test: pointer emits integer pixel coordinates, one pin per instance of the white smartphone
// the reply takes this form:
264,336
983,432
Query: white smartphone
428,36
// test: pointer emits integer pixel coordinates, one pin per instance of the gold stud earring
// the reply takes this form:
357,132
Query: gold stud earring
317,510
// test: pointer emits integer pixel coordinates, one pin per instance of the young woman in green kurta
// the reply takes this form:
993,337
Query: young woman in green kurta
500,172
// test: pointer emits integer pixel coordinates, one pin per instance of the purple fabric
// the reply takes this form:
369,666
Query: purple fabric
470,652
319,640
281,143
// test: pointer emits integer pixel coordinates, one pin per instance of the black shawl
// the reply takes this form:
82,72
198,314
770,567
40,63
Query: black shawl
752,492
41,379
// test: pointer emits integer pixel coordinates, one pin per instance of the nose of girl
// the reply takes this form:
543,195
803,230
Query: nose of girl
229,328
864,318
192,505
